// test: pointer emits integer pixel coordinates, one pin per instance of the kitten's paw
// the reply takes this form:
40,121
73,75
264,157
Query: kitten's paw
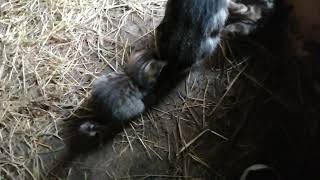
89,129
267,4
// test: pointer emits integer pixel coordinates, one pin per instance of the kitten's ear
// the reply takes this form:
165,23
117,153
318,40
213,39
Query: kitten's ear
136,56
153,69
161,65
157,66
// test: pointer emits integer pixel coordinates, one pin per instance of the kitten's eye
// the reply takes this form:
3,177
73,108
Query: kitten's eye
214,33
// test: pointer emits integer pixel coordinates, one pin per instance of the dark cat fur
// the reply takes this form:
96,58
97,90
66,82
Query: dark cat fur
190,30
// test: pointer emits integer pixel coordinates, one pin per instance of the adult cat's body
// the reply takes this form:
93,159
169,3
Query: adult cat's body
190,31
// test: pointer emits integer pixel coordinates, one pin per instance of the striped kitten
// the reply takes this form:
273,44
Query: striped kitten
119,96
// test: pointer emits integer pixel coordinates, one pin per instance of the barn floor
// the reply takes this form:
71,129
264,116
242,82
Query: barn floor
248,104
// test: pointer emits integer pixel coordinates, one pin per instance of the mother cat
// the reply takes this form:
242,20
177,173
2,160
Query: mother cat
190,31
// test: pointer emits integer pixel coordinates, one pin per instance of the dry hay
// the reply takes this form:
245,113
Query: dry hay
50,52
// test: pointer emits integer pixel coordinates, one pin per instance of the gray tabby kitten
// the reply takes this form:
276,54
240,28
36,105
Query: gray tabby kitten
120,96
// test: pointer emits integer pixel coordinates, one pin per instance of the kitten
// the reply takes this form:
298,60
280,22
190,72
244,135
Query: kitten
120,96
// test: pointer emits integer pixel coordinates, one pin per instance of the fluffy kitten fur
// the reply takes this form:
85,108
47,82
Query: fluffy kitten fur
119,95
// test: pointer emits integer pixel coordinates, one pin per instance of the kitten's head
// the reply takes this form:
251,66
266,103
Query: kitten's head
144,68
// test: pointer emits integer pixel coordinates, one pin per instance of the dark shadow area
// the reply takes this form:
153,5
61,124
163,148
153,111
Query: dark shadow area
275,117
168,81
